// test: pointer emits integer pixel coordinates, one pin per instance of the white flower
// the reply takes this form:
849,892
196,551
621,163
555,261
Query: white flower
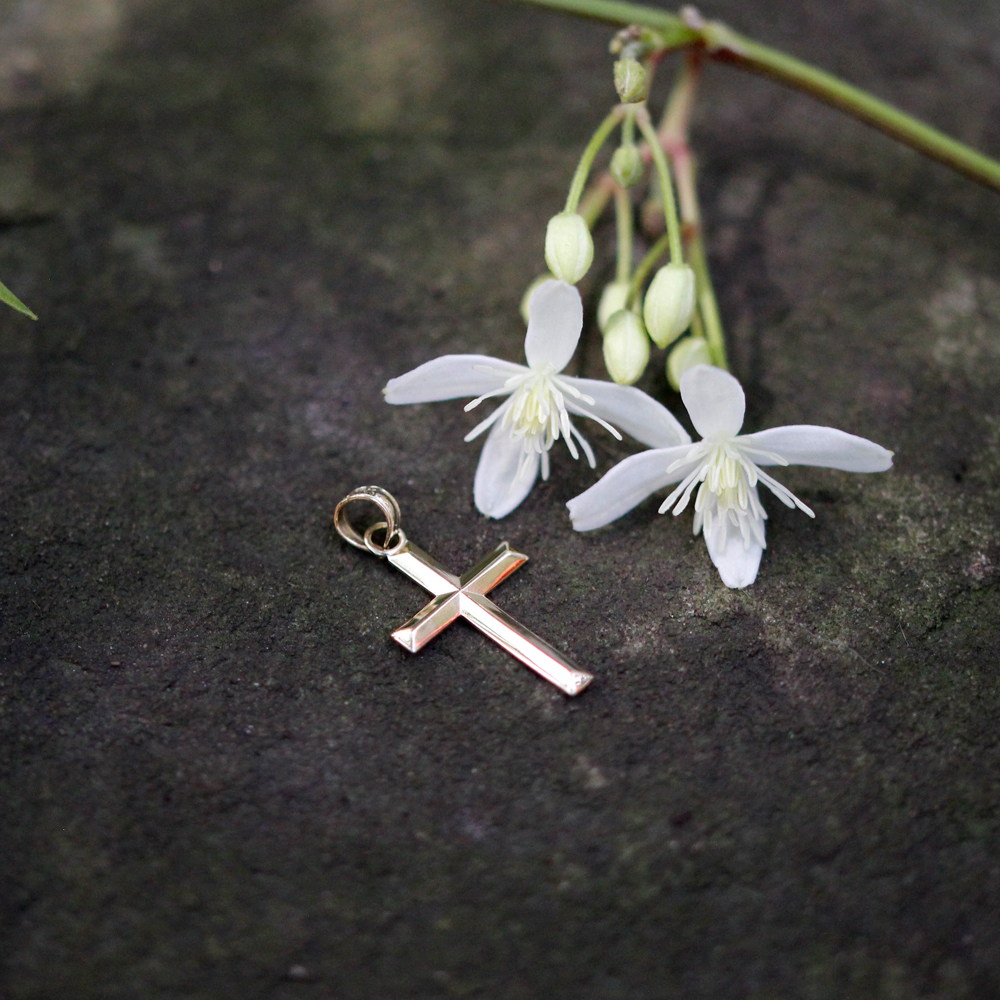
726,468
537,412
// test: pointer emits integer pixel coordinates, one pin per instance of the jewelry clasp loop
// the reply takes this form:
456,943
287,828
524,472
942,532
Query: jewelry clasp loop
387,504
388,547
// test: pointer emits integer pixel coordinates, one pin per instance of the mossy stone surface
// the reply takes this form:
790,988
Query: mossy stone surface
221,777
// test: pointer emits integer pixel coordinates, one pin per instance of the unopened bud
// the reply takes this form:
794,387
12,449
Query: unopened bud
669,303
631,80
626,347
612,300
689,352
626,165
530,290
569,248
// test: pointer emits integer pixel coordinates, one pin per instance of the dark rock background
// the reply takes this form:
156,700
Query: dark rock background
221,778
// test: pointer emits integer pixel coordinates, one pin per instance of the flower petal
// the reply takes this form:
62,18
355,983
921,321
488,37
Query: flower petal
626,485
630,410
555,320
450,377
497,488
804,444
737,564
714,400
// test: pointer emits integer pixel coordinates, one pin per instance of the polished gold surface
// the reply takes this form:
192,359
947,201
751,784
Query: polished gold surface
457,597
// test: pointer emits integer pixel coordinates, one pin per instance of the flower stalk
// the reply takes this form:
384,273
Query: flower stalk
666,187
722,44
653,255
623,224
587,160
673,137
708,307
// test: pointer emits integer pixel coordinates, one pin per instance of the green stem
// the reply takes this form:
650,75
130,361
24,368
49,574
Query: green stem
586,161
666,187
593,203
907,129
674,31
674,135
723,44
697,327
655,252
628,127
707,305
623,222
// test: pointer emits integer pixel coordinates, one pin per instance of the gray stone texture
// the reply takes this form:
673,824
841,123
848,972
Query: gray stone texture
221,778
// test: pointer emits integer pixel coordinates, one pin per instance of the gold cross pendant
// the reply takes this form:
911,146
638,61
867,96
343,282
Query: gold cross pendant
454,596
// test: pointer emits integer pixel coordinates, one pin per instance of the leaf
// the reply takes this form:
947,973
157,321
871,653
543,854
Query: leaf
6,295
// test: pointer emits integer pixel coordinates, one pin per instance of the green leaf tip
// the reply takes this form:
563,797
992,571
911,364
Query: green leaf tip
6,295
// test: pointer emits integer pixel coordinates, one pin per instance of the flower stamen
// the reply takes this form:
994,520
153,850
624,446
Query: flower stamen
488,422
727,494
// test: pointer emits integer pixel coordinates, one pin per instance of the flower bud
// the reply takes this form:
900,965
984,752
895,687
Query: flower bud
626,347
569,248
530,290
669,303
626,165
612,300
631,80
689,352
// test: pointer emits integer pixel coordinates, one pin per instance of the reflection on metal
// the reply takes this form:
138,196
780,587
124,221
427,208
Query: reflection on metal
454,596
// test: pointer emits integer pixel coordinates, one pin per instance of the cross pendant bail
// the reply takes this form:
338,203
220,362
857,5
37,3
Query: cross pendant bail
458,597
